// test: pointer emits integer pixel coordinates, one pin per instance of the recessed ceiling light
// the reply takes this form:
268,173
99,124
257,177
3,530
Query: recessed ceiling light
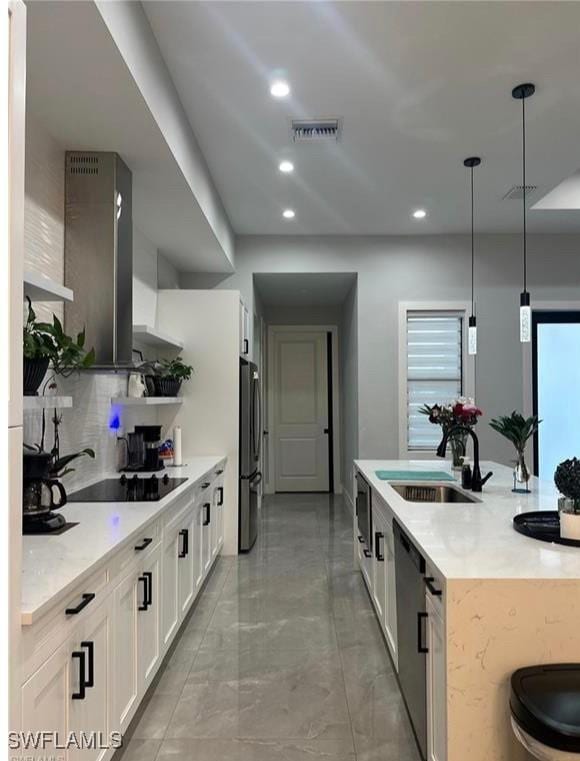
280,88
288,213
419,213
286,167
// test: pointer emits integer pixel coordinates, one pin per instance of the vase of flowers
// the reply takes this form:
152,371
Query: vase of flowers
518,429
567,480
460,412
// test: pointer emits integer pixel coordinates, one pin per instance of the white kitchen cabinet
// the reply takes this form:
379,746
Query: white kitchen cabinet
383,588
244,330
170,576
390,624
436,684
379,580
125,676
197,544
217,523
71,691
149,619
186,554
207,528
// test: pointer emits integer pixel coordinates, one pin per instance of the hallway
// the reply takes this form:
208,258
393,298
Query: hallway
282,657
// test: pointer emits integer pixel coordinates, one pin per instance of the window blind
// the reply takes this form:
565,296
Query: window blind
434,371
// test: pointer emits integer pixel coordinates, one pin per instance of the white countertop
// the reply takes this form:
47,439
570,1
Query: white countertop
477,541
52,564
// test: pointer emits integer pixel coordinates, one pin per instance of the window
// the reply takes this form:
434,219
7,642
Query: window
434,363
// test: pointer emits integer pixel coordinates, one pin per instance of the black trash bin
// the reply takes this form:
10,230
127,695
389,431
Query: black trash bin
545,705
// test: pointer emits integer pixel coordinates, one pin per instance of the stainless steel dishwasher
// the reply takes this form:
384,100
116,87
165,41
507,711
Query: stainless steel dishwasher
411,615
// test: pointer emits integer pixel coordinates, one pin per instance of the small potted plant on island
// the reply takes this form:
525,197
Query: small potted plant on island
518,429
567,480
46,344
460,412
167,375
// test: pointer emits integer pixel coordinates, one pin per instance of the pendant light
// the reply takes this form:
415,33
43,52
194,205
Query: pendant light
522,92
471,163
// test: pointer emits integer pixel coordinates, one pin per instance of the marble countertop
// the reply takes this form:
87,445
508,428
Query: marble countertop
477,541
53,564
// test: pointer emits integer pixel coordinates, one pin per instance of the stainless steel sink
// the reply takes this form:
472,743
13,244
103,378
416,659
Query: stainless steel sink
421,492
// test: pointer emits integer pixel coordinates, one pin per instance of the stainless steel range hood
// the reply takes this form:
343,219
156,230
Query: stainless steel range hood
98,246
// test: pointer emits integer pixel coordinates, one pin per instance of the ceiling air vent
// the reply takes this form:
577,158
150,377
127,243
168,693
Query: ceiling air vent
516,193
315,130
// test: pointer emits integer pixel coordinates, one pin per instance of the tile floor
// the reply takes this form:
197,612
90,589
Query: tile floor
282,657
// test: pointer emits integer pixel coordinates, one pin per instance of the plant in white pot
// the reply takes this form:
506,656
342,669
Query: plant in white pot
567,480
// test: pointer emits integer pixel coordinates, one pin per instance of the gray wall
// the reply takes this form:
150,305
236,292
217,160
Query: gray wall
394,269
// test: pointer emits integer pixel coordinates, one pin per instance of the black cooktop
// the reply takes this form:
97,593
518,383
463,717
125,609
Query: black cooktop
128,489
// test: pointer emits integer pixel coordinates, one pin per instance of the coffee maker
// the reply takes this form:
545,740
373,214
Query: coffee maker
152,443
41,495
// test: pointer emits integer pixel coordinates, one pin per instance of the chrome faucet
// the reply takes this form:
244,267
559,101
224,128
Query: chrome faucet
476,480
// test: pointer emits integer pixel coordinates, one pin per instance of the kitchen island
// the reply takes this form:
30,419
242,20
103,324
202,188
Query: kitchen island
496,601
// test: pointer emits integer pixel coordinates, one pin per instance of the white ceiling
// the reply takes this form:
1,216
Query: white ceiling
419,85
80,90
304,289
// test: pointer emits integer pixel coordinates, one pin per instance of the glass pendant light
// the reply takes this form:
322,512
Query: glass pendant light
471,163
522,92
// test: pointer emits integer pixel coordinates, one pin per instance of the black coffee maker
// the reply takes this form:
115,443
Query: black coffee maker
152,442
41,495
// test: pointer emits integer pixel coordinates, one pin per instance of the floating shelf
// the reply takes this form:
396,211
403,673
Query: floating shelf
41,288
46,402
145,401
153,337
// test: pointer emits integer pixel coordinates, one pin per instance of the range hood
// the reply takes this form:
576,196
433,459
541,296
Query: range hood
98,247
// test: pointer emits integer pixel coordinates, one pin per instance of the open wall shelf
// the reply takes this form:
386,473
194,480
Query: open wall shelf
149,336
146,401
41,288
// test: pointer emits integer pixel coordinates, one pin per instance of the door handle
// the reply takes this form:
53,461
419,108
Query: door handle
327,430
431,587
144,605
367,553
361,539
246,346
149,576
90,648
220,495
207,518
80,656
86,599
379,555
184,552
205,485
145,543
420,646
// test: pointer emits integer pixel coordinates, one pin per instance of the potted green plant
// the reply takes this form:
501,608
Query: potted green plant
46,343
167,375
567,480
518,429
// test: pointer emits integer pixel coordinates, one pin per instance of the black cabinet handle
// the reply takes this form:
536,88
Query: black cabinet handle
420,646
149,576
207,518
145,543
218,472
205,484
86,599
184,552
144,604
246,346
81,694
378,555
367,553
220,492
361,539
90,648
431,587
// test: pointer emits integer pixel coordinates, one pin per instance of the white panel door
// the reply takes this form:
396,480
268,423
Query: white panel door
170,596
186,561
436,689
124,676
301,411
149,620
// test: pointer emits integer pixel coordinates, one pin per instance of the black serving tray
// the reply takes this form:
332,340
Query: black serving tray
543,525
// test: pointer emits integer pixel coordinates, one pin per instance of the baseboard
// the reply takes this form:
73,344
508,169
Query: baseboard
348,499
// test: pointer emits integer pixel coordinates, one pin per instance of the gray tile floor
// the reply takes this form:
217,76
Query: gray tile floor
282,657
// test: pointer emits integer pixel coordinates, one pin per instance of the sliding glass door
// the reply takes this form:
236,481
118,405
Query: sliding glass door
556,379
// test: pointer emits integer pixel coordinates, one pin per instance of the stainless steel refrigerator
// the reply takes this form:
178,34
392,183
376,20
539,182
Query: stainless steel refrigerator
250,439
